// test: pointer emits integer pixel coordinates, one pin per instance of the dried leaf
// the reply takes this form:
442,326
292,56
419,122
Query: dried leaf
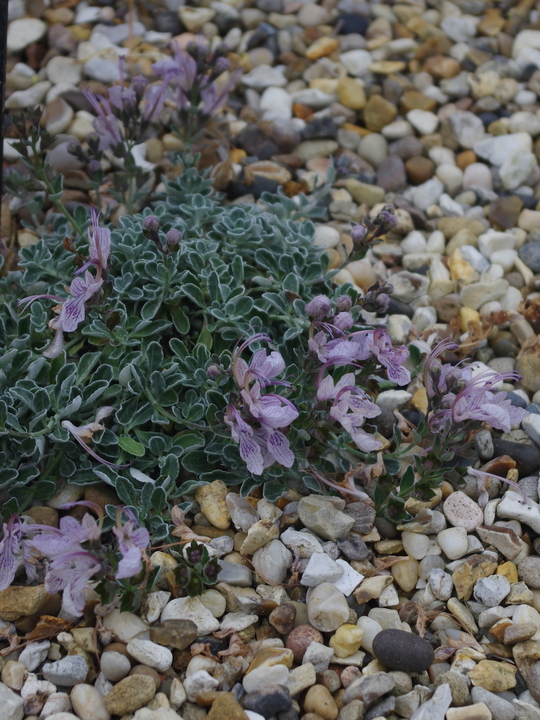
181,530
237,648
48,626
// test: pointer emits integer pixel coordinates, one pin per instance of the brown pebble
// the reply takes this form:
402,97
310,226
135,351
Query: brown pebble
226,707
465,158
282,618
299,638
117,647
442,68
148,671
419,169
43,515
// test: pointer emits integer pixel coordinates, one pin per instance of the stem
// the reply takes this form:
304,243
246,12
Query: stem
54,464
40,172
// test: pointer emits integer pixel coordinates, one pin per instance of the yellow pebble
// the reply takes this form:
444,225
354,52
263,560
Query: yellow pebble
420,400
468,315
346,640
509,570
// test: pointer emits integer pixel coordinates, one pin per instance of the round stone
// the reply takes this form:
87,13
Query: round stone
529,571
299,638
461,511
401,650
327,607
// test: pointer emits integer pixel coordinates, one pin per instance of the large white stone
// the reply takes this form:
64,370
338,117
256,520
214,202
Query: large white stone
11,704
497,149
191,609
22,33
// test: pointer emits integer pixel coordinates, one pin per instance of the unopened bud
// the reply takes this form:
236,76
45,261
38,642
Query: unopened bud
343,321
94,167
213,371
151,224
138,85
343,304
358,233
319,306
174,237
220,66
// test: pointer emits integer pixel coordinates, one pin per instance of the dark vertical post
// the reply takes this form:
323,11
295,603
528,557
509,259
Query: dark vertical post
3,54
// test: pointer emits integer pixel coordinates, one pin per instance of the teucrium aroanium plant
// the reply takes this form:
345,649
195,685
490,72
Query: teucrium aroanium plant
144,381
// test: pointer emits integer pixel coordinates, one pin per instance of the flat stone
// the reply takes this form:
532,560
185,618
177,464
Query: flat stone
67,672
20,601
493,676
130,694
461,510
323,518
191,609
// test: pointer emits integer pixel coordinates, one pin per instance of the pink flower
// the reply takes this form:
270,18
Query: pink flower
131,540
271,410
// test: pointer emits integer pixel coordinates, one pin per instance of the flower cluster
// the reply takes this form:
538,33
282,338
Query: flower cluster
127,111
192,73
83,288
372,229
74,553
459,398
256,419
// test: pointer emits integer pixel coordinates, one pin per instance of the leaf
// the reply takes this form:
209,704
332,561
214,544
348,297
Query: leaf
196,462
131,446
180,320
48,626
194,293
407,481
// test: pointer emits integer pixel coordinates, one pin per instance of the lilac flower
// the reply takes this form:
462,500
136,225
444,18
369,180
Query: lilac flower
212,100
262,368
73,312
271,410
71,566
352,422
106,124
9,548
259,448
390,358
99,241
327,389
476,401
71,572
131,540
244,435
319,306
154,101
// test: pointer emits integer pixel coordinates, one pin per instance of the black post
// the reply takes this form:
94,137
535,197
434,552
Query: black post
3,55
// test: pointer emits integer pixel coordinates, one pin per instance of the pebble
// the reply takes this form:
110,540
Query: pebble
150,653
323,518
327,608
11,704
491,591
400,650
191,609
88,703
130,694
461,511
67,672
114,665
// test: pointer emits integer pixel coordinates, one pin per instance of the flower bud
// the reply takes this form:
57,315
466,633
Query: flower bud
343,304
343,321
151,224
319,306
213,371
220,66
174,237
358,233
94,167
138,85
